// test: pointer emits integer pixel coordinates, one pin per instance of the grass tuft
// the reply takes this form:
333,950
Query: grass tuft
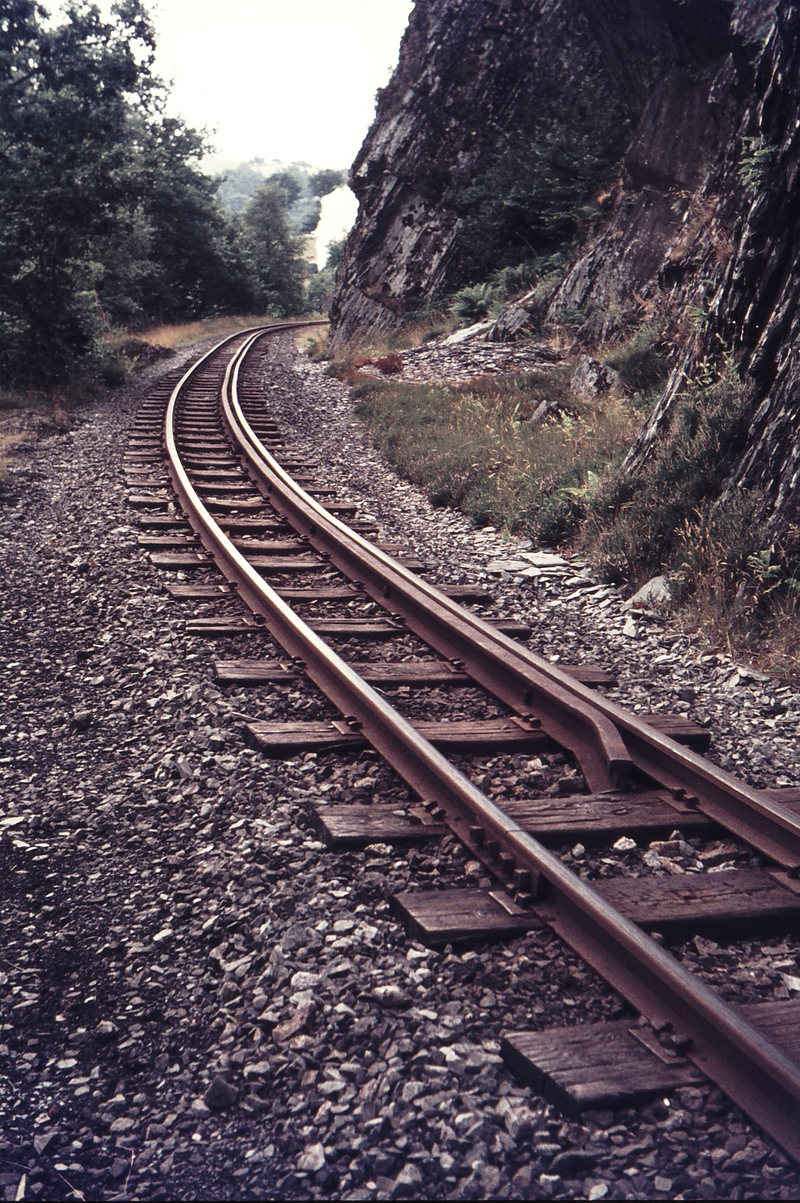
633,521
182,334
476,448
642,366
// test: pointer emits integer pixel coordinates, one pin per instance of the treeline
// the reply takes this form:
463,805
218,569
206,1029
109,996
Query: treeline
105,218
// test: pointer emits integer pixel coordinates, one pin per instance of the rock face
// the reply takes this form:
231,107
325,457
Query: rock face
756,308
701,224
592,378
686,124
470,70
741,263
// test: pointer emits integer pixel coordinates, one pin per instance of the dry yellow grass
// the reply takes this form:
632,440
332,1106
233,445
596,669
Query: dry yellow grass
8,439
475,447
182,334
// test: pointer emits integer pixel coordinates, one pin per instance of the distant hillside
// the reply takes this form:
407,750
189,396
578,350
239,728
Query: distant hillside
305,185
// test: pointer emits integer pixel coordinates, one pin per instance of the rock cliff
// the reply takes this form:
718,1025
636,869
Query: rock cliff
471,69
756,307
702,223
734,262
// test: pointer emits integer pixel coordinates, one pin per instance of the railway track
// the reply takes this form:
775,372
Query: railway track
265,533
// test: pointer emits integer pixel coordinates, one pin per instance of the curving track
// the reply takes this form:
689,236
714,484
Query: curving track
219,447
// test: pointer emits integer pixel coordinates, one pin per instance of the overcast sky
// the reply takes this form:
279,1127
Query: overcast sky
279,79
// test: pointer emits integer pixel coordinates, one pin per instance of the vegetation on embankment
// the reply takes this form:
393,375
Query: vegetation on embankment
559,480
476,446
674,516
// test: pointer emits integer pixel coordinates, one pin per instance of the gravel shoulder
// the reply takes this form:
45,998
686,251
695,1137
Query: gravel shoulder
196,999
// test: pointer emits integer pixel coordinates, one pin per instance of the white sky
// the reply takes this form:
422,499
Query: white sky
279,79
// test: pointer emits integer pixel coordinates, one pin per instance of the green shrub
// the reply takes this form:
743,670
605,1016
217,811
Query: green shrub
634,521
474,303
756,159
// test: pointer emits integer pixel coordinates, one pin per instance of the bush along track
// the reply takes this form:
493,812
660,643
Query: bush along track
518,437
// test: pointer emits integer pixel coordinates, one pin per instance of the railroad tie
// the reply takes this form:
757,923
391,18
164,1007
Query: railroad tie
479,736
607,1066
598,1066
402,672
589,819
175,560
347,628
348,592
139,501
719,905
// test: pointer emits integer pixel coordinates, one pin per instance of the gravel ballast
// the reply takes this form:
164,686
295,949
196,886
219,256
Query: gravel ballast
198,1000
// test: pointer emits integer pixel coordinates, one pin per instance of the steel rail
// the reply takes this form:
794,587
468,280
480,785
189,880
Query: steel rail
582,729
755,1073
606,739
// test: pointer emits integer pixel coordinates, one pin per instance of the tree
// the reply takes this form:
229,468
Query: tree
273,252
290,184
72,166
323,182
199,266
105,217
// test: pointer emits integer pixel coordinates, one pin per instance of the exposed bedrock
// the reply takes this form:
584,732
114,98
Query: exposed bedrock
742,261
757,305
470,70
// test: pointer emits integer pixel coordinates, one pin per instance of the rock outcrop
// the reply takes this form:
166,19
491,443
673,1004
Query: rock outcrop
703,223
756,308
740,266
468,71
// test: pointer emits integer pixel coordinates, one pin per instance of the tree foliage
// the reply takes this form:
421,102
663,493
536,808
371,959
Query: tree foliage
323,182
273,251
105,217
237,186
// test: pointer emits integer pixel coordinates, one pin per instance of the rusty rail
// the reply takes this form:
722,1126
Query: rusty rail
753,1072
605,738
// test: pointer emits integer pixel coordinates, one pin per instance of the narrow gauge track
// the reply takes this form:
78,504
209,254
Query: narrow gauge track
219,445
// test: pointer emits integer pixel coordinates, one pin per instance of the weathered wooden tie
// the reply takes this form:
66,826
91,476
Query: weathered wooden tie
486,735
438,917
344,628
373,628
396,672
717,904
730,903
265,564
607,1066
596,1066
352,827
588,819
